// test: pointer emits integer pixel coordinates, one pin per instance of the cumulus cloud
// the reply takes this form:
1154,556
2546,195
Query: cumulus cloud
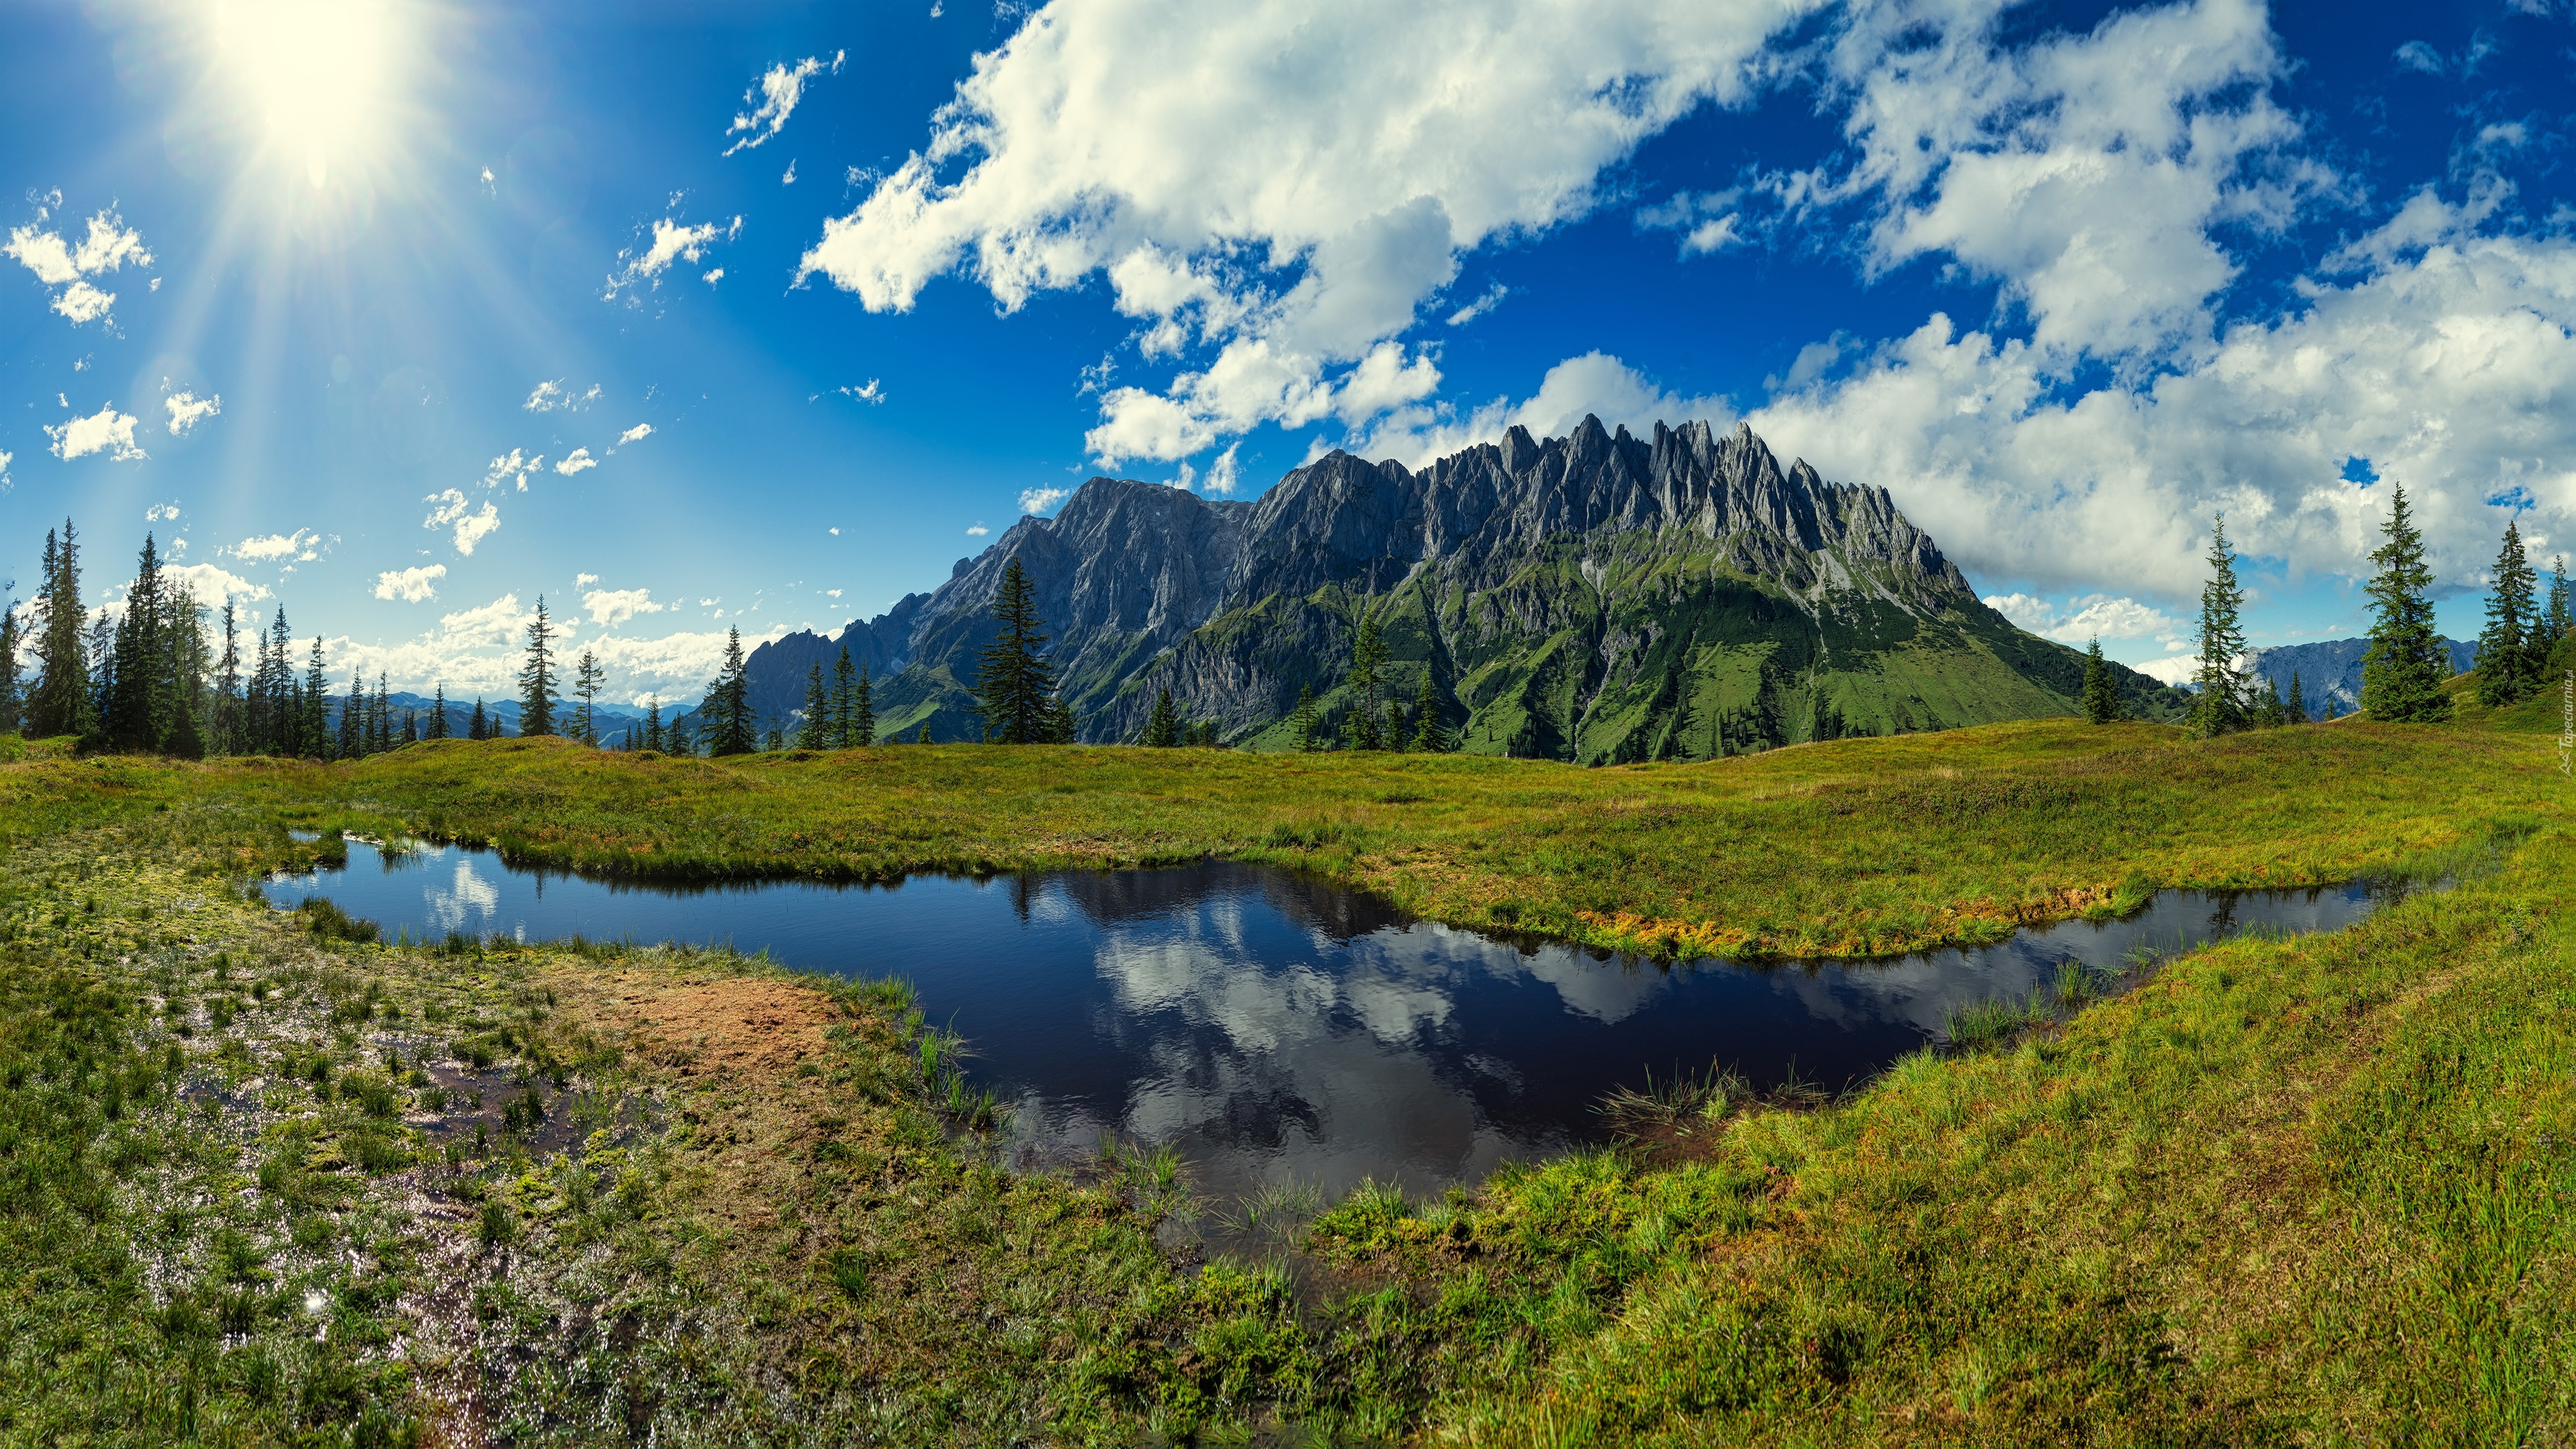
2089,617
868,392
105,431
573,463
211,585
109,245
583,581
612,607
1492,298
548,397
159,511
270,548
977,529
450,510
515,467
1708,221
672,242
777,94
637,433
1285,183
413,585
5,457
1596,384
1226,473
187,410
1037,500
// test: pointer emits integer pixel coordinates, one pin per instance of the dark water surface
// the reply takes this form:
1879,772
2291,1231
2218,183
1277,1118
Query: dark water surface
1278,1029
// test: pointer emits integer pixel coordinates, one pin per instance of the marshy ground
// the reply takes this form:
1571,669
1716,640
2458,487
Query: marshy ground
267,1179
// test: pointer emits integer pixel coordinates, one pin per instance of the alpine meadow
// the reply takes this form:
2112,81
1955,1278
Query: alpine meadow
1738,722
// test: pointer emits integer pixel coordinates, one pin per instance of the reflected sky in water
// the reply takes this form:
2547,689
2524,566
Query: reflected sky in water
1277,1028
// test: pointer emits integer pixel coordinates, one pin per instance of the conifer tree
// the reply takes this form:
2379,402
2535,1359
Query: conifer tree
2510,650
2298,706
384,715
353,736
2101,696
1368,657
2274,713
2219,706
313,727
9,711
136,714
653,723
862,730
60,701
1163,727
537,677
1061,725
727,708
1428,736
480,726
1396,735
843,726
227,737
2556,621
437,728
1015,682
102,677
2403,670
1302,722
815,731
924,737
587,679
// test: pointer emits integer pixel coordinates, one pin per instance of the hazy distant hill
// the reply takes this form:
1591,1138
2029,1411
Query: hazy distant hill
2332,667
610,721
1596,596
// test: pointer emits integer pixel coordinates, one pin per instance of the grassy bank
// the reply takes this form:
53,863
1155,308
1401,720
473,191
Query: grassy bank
269,1180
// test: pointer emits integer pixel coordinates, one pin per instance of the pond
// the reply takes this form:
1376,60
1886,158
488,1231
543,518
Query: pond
1280,1030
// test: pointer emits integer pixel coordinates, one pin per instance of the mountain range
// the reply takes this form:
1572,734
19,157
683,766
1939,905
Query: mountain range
2331,669
1599,596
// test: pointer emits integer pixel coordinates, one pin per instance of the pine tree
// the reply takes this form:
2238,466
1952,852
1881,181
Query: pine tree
2219,707
862,731
437,729
727,707
1395,733
2510,649
480,726
587,678
2101,697
60,702
353,736
1302,722
135,718
227,738
537,677
1368,657
2402,673
1163,727
1061,725
9,710
2273,713
2298,707
924,737
313,726
653,724
2556,621
1015,682
844,723
815,732
101,647
1428,736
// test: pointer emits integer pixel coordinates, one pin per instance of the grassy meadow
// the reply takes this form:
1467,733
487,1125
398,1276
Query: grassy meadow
267,1178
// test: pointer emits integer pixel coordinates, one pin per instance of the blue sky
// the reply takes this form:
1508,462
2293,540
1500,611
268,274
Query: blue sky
753,315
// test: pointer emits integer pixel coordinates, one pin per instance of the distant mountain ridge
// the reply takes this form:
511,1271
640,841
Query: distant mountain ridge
2332,668
1596,596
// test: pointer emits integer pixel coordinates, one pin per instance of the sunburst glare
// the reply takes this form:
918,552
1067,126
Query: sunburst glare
320,78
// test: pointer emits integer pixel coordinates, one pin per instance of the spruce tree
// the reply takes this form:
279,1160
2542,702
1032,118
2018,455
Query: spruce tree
2219,707
2510,650
727,708
1163,727
1368,657
1395,733
60,702
102,677
480,726
537,677
844,724
135,717
1015,682
2298,701
862,731
313,726
9,712
227,738
437,728
653,722
353,735
2101,696
1061,725
2402,673
1302,722
2274,713
2555,622
814,733
924,737
587,677
1427,734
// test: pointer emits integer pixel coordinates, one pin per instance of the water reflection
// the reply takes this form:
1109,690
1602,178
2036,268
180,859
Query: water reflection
1278,1029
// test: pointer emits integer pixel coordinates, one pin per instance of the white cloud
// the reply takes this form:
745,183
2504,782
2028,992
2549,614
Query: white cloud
160,511
105,431
498,622
1708,221
1039,500
714,275
453,511
2416,55
1492,298
2092,616
574,462
1595,383
977,529
612,607
2180,669
672,242
868,392
1284,182
109,245
778,92
274,546
1226,473
412,585
547,397
789,179
833,593
5,458
187,410
211,585
583,581
515,467
637,433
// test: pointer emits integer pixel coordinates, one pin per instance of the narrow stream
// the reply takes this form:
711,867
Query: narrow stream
1277,1029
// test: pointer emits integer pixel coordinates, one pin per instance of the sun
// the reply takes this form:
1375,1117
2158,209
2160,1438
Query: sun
317,79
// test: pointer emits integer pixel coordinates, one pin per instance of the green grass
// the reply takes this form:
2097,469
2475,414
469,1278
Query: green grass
2317,1189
